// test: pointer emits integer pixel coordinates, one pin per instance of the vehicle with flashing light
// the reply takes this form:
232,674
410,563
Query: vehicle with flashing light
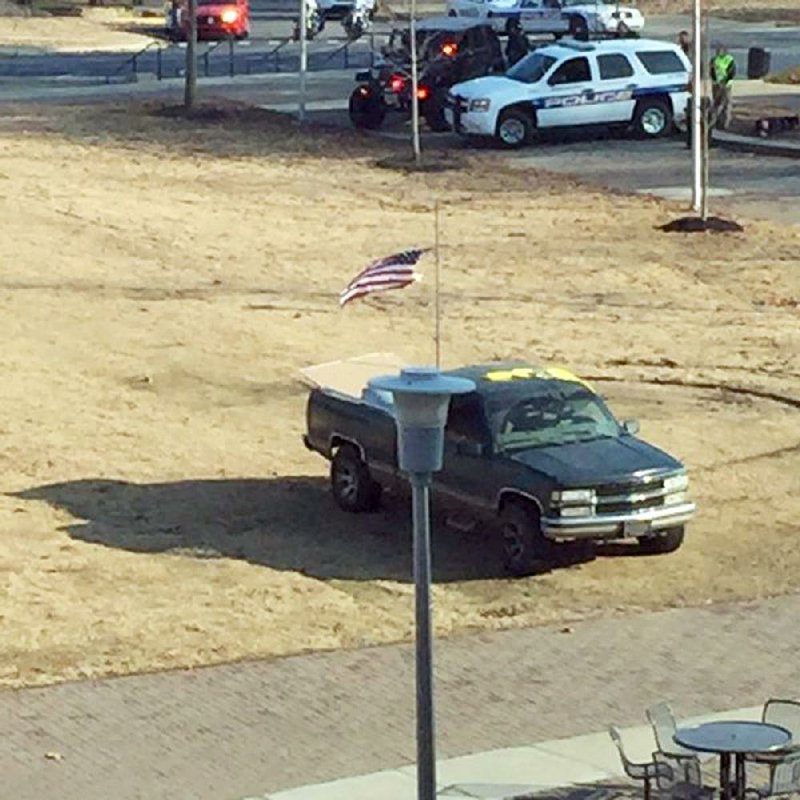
223,19
638,84
533,450
577,18
448,51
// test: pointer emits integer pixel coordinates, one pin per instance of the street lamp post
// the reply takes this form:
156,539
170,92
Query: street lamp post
421,399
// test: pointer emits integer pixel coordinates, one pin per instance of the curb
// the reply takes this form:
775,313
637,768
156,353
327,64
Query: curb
750,144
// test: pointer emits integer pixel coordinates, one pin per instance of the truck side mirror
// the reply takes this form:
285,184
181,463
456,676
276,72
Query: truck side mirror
631,427
466,447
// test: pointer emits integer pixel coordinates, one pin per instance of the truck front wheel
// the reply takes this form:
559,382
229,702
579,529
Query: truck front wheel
667,542
525,548
352,486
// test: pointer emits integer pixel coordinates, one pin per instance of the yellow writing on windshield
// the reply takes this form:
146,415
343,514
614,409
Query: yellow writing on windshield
528,373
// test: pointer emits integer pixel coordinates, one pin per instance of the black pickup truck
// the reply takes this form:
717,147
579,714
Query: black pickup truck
535,449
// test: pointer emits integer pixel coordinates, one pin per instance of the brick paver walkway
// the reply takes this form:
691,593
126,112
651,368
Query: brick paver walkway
226,732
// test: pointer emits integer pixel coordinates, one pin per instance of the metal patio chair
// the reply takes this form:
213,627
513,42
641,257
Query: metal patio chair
664,727
785,713
784,778
647,772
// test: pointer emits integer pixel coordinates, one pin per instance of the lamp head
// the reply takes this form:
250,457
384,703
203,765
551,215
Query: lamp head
421,400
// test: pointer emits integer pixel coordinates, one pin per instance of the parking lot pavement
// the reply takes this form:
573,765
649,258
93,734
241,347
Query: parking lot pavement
252,728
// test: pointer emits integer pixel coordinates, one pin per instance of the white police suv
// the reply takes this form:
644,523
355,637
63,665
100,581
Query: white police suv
637,83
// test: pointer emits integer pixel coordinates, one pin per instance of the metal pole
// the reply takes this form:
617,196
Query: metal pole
426,758
697,91
414,98
437,285
707,99
231,57
190,89
301,110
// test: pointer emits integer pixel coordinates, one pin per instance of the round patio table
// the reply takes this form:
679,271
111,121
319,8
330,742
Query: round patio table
727,738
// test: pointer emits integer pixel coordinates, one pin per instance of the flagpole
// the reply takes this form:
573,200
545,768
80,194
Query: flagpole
437,283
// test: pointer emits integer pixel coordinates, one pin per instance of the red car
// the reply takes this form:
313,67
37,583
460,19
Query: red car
216,19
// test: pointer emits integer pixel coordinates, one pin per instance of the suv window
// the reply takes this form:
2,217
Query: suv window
531,69
576,70
614,65
659,62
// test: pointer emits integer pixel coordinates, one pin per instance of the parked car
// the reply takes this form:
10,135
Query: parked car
215,20
578,18
448,51
639,84
535,450
340,9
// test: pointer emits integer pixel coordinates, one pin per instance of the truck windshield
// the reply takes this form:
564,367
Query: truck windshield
556,419
531,69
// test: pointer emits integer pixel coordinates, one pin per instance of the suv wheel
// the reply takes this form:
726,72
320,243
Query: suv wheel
352,486
525,549
652,119
667,542
514,128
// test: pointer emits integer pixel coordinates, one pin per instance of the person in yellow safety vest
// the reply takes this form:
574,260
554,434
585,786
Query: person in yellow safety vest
723,71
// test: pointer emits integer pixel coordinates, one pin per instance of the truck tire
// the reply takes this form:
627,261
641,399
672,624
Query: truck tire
579,28
352,486
652,119
525,549
434,114
366,109
667,542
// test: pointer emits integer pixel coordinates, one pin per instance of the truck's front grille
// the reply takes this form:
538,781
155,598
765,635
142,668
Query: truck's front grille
616,498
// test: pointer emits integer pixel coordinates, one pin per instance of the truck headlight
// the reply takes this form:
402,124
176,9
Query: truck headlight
481,104
674,499
573,497
676,483
576,511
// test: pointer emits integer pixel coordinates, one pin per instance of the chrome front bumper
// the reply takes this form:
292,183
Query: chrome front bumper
618,526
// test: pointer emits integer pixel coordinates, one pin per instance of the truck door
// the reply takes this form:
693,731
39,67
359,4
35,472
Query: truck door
462,484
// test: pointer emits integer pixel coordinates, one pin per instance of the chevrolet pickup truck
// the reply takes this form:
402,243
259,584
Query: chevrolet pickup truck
534,449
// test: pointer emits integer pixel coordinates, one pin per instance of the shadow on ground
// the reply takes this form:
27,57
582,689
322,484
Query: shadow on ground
288,523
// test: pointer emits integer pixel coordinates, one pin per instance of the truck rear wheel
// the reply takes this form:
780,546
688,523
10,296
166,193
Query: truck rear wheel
667,542
526,551
352,486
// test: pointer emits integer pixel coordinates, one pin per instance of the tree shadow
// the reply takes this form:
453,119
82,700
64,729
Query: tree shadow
287,523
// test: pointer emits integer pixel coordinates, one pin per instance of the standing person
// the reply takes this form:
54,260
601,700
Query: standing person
518,44
685,43
723,71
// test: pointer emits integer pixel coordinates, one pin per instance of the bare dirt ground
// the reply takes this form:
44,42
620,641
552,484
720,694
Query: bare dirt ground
163,280
96,30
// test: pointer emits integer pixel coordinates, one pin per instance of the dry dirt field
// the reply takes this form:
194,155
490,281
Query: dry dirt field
97,30
163,281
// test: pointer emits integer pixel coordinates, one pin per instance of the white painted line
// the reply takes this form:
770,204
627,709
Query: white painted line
311,105
682,192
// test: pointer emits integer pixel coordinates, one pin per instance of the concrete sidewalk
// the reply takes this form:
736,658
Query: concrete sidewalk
509,773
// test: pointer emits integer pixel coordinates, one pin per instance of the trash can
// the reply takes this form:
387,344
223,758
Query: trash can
758,61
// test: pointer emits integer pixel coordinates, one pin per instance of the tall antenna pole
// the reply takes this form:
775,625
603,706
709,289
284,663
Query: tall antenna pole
707,121
414,98
301,110
437,286
697,108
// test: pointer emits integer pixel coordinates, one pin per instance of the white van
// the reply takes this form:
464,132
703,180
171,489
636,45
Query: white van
641,83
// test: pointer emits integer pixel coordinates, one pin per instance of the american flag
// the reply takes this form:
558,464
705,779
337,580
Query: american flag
392,272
